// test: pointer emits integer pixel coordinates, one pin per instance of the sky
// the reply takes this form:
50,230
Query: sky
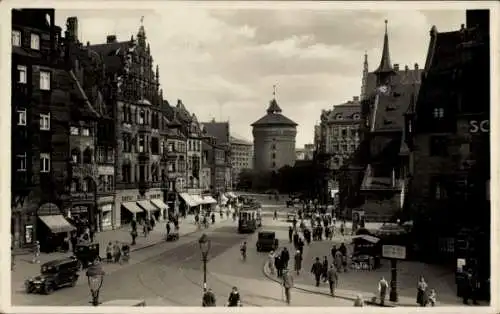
223,62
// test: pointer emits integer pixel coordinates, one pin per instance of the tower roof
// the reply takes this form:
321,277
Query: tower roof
385,62
273,107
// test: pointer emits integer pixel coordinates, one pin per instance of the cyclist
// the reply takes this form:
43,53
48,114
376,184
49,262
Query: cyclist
243,250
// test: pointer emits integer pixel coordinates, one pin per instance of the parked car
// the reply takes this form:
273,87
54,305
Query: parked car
87,254
54,275
267,241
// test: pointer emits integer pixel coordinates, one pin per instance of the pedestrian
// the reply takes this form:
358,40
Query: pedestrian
208,298
196,219
432,297
343,250
470,286
117,252
109,252
133,234
74,240
285,257
317,270
325,268
382,290
294,223
307,235
287,284
234,298
277,264
221,213
298,262
133,224
275,215
296,240
152,223
359,301
270,262
36,253
301,246
422,292
338,260
145,228
290,234
213,218
333,279
342,228
168,227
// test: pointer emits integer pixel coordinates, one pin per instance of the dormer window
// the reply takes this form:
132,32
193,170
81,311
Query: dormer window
356,116
438,113
338,117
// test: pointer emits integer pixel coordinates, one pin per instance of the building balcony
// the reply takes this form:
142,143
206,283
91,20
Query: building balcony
142,157
82,196
84,170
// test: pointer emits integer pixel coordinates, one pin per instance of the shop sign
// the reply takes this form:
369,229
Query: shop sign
394,251
482,126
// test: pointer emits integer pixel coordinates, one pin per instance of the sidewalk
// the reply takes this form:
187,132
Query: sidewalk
25,268
365,283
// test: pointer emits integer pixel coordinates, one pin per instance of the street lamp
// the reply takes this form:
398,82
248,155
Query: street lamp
204,243
95,276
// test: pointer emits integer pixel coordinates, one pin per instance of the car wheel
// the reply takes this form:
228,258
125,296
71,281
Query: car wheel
49,289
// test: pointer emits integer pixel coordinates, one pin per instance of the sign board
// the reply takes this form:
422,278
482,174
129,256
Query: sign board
460,264
394,251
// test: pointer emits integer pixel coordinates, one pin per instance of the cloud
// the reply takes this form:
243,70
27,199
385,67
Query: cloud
223,62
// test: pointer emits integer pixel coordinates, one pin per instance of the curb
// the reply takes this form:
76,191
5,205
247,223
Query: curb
266,273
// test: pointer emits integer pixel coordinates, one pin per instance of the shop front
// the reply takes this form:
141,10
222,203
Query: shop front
209,203
189,202
52,228
131,211
149,208
161,206
198,200
105,207
23,224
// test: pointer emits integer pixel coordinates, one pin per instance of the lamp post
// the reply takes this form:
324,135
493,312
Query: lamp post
95,276
204,243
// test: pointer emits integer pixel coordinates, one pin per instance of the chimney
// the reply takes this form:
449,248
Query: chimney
355,98
416,66
72,28
110,39
396,67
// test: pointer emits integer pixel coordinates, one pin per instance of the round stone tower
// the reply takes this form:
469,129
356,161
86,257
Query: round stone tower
273,140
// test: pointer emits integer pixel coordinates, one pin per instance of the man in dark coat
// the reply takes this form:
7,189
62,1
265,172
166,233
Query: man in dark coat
278,264
285,257
290,234
298,262
300,246
325,268
208,298
470,287
333,279
317,270
307,236
296,240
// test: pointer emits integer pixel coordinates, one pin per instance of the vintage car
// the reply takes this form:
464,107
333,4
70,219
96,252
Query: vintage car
54,275
87,254
267,241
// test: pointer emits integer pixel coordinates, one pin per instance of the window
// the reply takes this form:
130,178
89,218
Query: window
110,183
75,155
21,117
274,164
155,145
126,173
21,162
438,189
87,156
273,146
22,74
16,38
101,183
45,121
354,132
44,80
142,117
438,146
344,132
74,185
438,113
273,156
85,132
141,144
171,147
127,148
85,186
353,147
338,117
356,116
44,162
35,42
73,130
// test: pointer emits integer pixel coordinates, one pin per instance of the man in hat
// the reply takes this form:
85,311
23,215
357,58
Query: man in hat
287,284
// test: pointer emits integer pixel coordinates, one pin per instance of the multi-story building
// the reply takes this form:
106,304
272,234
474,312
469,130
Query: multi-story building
217,157
174,156
241,157
305,153
376,175
273,140
447,132
136,102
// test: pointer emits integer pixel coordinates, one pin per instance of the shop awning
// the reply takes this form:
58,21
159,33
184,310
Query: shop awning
159,203
132,207
209,200
231,195
147,205
188,199
57,223
197,198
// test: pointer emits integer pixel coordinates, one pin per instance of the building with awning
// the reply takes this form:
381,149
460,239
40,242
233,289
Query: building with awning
57,223
147,206
190,202
209,200
197,198
159,203
132,207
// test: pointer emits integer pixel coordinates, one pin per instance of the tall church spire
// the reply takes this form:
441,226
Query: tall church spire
141,35
364,79
384,70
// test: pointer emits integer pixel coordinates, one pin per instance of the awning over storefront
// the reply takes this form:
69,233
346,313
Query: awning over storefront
231,195
209,200
188,199
197,198
147,205
57,223
132,207
159,203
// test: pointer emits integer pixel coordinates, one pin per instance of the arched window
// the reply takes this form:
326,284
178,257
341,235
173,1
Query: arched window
88,185
142,117
76,155
87,156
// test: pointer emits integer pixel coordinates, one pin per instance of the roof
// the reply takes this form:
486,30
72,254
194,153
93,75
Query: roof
275,119
406,76
273,106
385,60
345,111
219,130
239,141
111,54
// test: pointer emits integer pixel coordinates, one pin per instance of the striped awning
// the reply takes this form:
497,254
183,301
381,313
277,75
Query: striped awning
147,205
159,203
188,199
57,223
197,198
209,200
132,207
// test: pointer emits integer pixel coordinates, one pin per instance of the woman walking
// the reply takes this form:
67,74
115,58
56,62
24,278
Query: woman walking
422,292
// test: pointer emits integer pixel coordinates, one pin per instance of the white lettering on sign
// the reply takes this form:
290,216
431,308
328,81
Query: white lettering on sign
479,126
394,251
